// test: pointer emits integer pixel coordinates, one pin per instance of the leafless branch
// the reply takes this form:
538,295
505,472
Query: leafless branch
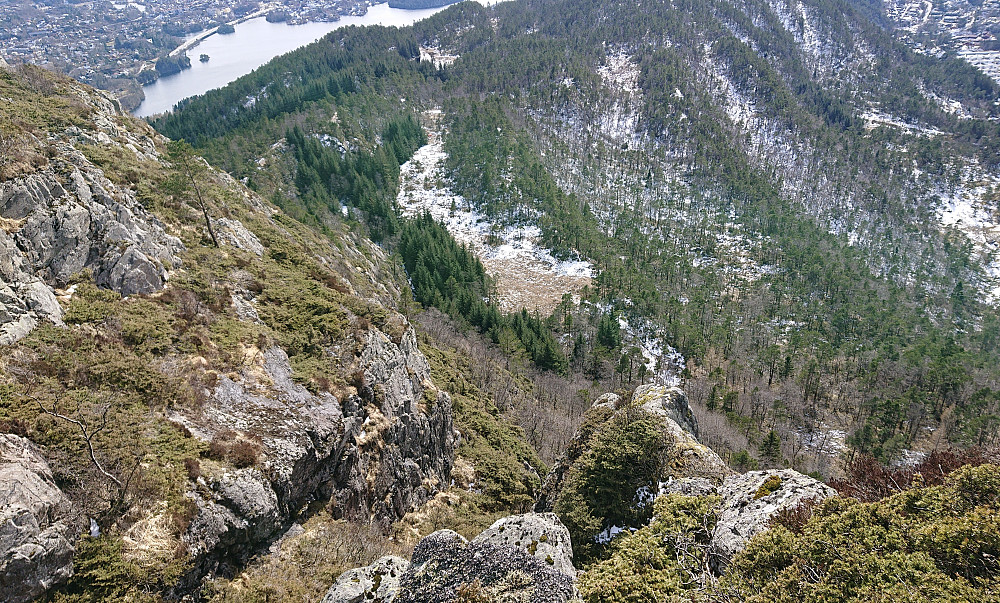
88,437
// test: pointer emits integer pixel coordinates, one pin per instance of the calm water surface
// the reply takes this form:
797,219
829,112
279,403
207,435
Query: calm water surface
255,42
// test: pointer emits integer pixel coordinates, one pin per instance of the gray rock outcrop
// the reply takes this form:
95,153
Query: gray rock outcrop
35,525
376,582
669,402
445,564
67,217
750,501
375,454
542,535
688,486
70,218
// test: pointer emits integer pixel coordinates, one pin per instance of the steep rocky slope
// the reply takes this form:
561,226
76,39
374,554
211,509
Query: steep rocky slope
192,400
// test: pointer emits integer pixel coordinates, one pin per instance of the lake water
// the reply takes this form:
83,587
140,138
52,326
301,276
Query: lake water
255,42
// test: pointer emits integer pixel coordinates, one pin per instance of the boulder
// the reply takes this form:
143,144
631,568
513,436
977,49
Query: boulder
376,582
35,524
542,535
501,564
750,501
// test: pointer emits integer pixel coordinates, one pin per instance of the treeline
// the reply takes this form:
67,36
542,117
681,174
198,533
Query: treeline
450,277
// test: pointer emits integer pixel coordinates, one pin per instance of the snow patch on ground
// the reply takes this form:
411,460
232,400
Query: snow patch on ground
824,440
875,119
663,363
967,208
621,74
738,107
527,274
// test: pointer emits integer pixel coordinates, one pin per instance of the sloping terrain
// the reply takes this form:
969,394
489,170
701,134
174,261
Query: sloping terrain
197,368
799,204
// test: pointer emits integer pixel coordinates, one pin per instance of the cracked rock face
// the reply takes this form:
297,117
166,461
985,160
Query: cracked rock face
496,565
68,217
750,501
375,455
35,525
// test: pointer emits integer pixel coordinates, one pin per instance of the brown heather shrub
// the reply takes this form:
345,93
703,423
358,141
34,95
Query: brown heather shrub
869,481
193,468
217,449
243,453
15,426
230,447
795,518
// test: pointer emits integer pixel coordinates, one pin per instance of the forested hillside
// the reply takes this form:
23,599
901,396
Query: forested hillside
774,189
539,301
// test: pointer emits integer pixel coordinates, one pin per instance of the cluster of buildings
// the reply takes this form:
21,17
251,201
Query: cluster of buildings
115,44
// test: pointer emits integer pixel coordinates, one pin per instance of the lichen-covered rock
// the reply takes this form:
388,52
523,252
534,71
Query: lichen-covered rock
35,524
608,400
445,565
540,534
376,582
687,486
750,501
24,299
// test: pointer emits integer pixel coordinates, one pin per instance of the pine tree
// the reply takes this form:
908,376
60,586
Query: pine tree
770,448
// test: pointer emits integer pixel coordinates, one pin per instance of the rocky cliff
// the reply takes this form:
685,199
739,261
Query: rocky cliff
222,392
60,216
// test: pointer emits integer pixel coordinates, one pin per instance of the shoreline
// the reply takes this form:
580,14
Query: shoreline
199,38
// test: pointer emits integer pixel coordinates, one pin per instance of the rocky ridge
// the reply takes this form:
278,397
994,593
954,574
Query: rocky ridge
372,451
375,454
